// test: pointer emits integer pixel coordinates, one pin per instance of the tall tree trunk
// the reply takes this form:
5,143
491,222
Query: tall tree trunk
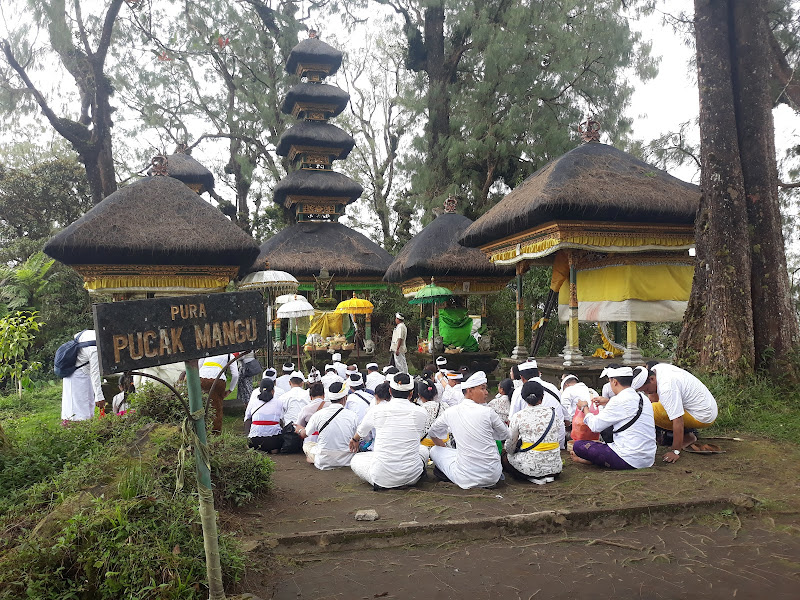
718,326
775,325
439,76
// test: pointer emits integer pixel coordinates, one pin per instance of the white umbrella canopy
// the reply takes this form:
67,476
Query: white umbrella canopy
289,298
279,282
295,308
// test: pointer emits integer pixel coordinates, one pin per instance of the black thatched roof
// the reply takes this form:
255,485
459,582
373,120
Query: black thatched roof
593,182
318,183
186,169
319,93
435,251
314,133
314,51
156,220
305,248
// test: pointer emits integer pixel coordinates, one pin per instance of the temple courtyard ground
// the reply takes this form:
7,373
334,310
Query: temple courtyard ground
715,526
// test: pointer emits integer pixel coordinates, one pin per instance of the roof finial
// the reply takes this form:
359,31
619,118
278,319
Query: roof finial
589,129
450,204
159,166
312,33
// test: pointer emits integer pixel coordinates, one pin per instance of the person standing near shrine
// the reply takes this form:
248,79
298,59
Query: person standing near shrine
475,461
398,346
210,368
83,390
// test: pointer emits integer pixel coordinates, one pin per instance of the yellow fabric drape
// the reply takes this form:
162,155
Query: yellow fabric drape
326,324
560,271
632,282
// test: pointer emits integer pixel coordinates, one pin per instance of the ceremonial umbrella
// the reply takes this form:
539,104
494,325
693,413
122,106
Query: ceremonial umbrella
355,306
294,309
289,297
269,282
432,294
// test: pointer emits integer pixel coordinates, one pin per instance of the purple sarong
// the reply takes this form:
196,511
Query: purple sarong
599,454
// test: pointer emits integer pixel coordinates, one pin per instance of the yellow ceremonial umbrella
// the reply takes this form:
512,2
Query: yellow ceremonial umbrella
355,306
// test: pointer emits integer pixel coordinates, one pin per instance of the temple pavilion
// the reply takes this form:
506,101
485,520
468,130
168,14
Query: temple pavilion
320,252
616,230
436,252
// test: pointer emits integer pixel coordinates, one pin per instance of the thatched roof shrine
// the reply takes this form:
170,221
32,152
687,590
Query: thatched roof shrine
322,184
322,138
436,252
313,56
306,248
304,98
154,221
184,168
594,182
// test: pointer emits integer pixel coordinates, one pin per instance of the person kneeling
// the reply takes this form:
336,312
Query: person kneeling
533,450
626,425
475,462
395,460
265,412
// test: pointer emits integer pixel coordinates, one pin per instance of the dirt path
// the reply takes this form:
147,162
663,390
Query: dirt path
719,558
306,499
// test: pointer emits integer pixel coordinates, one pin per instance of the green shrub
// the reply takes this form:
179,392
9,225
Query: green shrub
157,402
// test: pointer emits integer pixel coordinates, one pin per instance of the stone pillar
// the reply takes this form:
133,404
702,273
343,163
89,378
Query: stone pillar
572,352
520,352
368,325
632,354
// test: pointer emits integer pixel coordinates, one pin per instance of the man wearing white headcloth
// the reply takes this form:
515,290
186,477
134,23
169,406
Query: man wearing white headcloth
374,377
475,462
330,376
333,426
626,425
282,382
341,368
452,394
295,399
398,345
572,390
398,424
440,378
529,371
358,400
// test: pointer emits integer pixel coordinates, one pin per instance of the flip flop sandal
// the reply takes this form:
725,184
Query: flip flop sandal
703,448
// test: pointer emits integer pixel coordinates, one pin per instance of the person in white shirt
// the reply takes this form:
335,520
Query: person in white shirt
626,424
572,390
318,401
334,426
475,462
358,400
295,399
440,377
529,371
341,368
211,368
282,382
607,392
683,402
330,376
399,424
398,345
83,390
265,413
374,377
452,394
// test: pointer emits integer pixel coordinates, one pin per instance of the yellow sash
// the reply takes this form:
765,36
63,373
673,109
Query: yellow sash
541,447
210,364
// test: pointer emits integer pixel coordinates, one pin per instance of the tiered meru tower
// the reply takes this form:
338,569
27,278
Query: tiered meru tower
318,247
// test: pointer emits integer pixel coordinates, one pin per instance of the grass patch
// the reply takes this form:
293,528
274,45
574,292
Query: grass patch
89,510
757,407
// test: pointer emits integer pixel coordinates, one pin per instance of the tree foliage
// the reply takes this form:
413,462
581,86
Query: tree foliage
17,334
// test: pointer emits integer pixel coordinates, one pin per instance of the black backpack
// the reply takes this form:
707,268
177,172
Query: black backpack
67,355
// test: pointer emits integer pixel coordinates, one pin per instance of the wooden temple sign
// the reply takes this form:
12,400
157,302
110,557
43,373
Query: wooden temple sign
145,333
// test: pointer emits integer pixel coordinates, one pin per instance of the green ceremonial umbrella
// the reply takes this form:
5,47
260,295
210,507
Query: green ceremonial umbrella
432,294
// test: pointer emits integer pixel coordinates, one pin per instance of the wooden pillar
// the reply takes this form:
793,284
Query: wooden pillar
572,351
520,352
632,354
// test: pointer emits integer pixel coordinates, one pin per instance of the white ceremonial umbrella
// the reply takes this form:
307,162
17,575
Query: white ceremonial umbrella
295,309
289,298
269,282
